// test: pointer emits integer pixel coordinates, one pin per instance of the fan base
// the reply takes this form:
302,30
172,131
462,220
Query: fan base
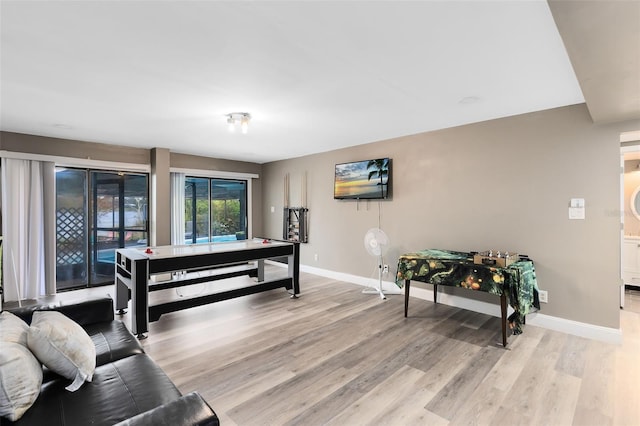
374,291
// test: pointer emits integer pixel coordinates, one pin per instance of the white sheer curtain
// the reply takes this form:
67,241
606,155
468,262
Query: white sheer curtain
28,227
177,208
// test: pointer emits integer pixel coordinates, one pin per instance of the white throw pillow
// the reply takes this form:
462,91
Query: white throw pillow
20,380
13,329
63,346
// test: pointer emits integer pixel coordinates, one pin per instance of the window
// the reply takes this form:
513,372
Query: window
215,210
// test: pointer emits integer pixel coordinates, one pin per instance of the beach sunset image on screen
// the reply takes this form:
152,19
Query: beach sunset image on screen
368,179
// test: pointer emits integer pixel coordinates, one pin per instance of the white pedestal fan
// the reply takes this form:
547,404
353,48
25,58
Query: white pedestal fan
376,243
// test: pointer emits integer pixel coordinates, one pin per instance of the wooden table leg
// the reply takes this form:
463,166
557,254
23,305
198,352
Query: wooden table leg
407,287
503,312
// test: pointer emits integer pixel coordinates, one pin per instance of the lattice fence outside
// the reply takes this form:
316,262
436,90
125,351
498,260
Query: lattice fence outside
71,241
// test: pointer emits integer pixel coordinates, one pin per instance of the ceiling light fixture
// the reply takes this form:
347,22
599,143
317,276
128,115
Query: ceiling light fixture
235,119
469,100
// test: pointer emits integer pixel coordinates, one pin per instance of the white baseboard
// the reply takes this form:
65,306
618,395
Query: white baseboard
388,287
581,329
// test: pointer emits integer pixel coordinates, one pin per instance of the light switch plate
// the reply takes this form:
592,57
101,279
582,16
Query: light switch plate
576,208
577,202
576,213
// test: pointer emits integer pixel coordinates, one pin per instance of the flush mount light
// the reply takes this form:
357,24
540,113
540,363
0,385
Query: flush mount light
469,100
235,119
62,126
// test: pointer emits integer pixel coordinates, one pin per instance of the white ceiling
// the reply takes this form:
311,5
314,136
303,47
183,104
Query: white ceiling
315,75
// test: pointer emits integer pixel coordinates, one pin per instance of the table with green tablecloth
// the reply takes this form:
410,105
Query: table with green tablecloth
515,284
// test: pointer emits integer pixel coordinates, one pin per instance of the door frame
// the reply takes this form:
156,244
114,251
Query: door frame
626,148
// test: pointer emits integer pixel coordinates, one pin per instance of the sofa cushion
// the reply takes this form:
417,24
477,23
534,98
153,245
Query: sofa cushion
113,341
188,410
13,329
88,311
63,346
118,391
20,380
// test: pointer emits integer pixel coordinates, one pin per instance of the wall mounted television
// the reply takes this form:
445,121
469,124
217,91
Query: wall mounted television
363,180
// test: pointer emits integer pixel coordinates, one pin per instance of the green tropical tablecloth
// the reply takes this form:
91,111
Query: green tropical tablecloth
456,269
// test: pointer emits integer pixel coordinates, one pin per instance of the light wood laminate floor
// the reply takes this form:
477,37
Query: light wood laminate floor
632,300
337,356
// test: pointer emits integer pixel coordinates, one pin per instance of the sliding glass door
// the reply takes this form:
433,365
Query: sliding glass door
71,228
100,211
215,210
97,212
119,219
228,209
196,210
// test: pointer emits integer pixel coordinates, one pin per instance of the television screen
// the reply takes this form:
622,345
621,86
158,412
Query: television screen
362,180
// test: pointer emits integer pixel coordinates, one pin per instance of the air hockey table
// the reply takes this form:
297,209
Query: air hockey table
142,270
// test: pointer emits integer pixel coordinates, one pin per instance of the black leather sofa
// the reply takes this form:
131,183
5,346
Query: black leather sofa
127,386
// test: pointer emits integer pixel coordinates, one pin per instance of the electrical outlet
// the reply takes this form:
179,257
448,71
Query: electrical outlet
385,269
543,296
315,257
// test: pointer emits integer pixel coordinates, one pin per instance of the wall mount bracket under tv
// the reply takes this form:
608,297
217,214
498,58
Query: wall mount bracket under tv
363,180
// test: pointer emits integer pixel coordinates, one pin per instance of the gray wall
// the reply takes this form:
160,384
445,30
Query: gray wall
31,144
502,184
